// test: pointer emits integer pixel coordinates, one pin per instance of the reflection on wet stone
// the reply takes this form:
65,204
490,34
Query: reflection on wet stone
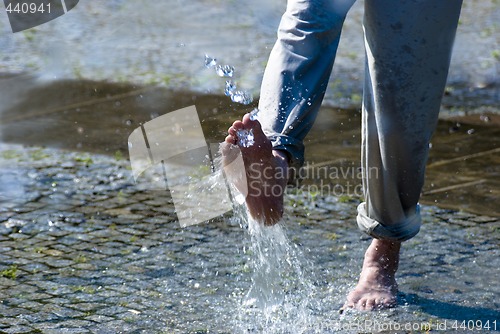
109,263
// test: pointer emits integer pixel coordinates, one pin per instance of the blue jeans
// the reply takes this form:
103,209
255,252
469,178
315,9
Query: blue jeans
408,48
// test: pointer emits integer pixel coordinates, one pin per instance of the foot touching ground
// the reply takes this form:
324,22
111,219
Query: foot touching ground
265,172
377,286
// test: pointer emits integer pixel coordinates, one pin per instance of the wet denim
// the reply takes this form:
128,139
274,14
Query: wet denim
408,47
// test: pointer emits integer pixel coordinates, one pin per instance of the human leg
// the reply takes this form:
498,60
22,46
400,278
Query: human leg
408,53
293,87
298,71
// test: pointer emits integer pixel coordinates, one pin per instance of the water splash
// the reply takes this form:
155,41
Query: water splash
242,97
227,71
245,137
254,114
210,61
224,71
280,299
230,88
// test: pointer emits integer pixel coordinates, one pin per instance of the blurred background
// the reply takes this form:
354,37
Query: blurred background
164,42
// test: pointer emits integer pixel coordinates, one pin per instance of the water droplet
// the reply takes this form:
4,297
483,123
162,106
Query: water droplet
245,138
470,131
118,104
242,97
230,88
253,114
128,122
485,118
224,71
290,127
210,62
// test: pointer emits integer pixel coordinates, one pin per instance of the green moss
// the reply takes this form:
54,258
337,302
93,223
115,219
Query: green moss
85,289
345,199
119,155
10,272
85,160
39,154
332,236
356,98
29,34
81,259
10,154
496,54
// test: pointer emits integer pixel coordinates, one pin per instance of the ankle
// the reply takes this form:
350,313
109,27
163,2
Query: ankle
282,158
283,163
383,254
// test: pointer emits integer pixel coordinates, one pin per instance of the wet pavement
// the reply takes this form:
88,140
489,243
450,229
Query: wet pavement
83,249
463,172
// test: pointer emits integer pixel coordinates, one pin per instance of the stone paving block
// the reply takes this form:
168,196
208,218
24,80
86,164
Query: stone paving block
17,329
112,311
7,282
117,326
99,318
56,263
133,231
10,313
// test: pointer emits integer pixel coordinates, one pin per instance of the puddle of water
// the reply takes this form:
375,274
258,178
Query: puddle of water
99,117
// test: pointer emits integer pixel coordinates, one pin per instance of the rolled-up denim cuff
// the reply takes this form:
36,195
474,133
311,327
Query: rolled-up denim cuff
397,232
293,147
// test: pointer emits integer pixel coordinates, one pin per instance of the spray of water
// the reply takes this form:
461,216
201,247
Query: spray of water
281,298
227,71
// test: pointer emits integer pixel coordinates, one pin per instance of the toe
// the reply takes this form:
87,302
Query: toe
361,304
370,304
237,125
230,139
232,132
251,123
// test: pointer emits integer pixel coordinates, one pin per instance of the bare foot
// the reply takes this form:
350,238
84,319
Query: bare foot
265,172
377,286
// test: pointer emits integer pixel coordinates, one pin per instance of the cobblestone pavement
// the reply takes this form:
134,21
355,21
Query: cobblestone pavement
85,250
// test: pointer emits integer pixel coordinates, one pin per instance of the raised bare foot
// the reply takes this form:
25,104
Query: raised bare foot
377,286
265,171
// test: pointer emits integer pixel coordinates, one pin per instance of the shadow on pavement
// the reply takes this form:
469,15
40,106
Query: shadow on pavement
446,310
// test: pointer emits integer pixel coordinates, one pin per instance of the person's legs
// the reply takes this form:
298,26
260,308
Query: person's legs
408,46
293,87
298,71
